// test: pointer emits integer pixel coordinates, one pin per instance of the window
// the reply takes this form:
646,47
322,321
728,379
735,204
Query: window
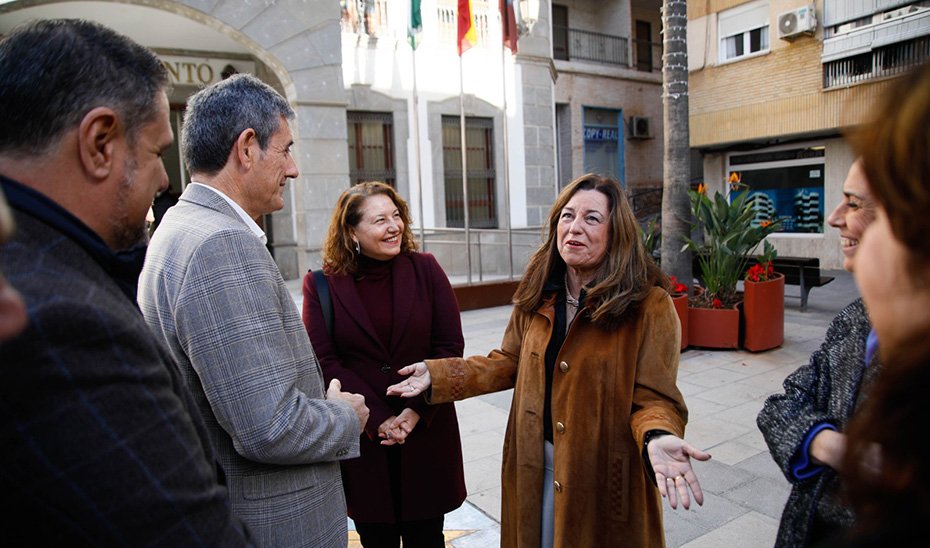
371,147
559,32
744,31
786,184
644,46
744,43
479,140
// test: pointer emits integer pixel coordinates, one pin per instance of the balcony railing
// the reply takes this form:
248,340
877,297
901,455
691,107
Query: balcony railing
879,63
583,45
490,258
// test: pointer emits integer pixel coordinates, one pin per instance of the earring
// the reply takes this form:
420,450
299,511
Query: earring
358,248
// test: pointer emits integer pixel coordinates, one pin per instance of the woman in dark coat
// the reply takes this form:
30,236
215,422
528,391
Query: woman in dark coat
390,306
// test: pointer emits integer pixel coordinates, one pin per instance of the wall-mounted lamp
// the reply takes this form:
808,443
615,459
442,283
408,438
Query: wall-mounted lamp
529,14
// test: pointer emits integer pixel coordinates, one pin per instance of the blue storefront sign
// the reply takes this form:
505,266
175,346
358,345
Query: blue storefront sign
600,134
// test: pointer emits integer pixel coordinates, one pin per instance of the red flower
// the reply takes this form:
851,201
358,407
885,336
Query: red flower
717,303
676,286
759,273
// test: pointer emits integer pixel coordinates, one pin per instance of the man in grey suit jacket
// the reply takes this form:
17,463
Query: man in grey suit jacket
210,288
101,443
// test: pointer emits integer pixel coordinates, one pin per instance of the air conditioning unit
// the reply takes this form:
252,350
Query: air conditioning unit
639,127
796,22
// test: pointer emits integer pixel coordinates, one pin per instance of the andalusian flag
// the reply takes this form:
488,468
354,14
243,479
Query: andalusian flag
509,16
467,35
416,24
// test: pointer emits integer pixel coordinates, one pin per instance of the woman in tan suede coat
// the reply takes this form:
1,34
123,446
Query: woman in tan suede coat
594,435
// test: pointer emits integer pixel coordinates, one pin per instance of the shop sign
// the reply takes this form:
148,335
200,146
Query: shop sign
199,71
600,134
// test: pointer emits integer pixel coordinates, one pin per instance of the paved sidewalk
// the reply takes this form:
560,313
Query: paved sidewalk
744,490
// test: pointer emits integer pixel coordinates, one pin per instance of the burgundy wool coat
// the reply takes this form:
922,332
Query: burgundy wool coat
427,324
609,388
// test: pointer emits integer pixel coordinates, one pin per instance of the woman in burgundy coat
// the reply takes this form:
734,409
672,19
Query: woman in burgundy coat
390,306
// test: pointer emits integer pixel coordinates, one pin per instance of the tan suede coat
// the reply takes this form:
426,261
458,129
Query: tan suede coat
609,389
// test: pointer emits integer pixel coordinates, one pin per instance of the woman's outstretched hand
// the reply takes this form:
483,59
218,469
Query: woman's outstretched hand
414,385
671,461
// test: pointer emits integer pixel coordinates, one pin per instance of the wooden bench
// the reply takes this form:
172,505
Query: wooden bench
803,272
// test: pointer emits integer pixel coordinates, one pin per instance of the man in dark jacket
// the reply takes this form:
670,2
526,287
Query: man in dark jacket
99,445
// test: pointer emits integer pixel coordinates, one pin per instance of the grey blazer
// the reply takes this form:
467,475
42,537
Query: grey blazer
212,291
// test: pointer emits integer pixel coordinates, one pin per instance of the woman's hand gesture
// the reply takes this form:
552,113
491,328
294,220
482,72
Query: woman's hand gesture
414,385
394,430
671,461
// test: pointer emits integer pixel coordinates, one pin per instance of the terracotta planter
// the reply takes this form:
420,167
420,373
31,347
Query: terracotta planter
713,327
764,314
681,307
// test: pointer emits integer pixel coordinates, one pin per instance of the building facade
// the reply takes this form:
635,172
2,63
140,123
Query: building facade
582,93
775,85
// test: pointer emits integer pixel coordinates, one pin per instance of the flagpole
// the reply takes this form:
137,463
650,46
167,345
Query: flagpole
506,156
464,170
416,144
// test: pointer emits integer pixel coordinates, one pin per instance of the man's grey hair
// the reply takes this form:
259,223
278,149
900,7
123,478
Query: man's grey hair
218,114
53,72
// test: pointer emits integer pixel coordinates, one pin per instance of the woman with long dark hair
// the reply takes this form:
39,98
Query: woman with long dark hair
591,351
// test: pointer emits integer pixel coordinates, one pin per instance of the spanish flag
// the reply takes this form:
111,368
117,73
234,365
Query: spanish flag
467,35
509,15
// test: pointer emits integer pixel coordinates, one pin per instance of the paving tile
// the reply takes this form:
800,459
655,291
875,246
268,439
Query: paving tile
483,444
735,393
744,414
706,432
688,389
699,407
732,452
762,495
718,478
763,466
715,377
754,438
482,474
750,530
488,501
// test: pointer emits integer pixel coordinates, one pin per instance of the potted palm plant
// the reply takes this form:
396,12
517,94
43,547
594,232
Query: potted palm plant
729,236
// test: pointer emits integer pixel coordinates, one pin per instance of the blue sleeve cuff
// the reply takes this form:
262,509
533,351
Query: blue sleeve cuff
801,466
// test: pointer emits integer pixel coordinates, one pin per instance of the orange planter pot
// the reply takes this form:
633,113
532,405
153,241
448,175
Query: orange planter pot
713,327
764,314
681,307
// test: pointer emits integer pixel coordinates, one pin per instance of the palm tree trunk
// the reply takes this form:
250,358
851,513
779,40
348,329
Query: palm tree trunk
677,164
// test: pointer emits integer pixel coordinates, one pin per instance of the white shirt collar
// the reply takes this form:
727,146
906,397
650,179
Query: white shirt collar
259,233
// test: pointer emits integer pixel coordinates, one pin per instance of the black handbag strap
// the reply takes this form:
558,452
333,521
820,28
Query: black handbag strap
326,304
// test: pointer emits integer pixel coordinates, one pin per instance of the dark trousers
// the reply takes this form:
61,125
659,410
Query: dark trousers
425,533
